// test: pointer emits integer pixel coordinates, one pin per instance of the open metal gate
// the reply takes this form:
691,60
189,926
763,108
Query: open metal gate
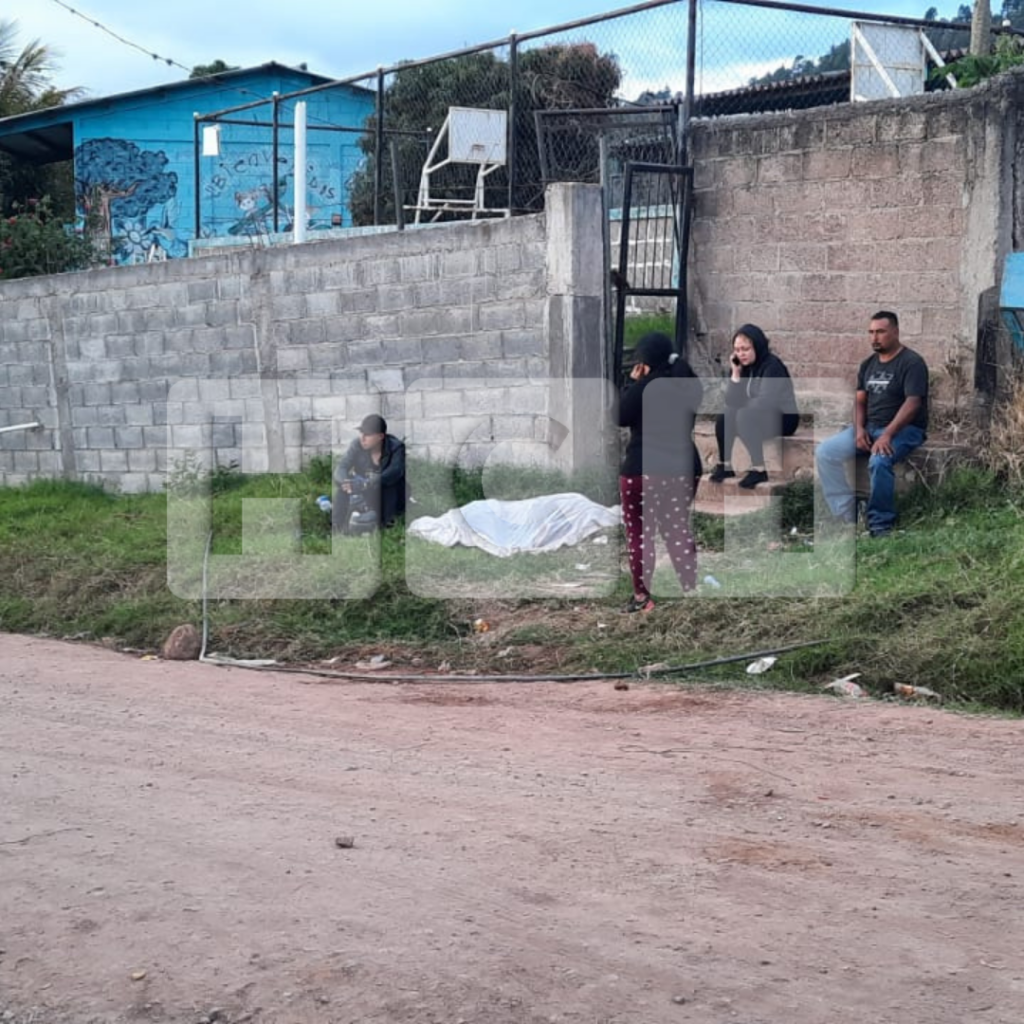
653,241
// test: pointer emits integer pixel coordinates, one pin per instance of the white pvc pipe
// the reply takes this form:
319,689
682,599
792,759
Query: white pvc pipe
21,426
299,217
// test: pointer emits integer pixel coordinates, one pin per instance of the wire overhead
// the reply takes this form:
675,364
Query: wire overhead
121,39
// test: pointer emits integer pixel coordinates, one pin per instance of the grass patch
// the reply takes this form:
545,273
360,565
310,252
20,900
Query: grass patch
933,605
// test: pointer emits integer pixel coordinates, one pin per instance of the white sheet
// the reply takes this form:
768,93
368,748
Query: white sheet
506,528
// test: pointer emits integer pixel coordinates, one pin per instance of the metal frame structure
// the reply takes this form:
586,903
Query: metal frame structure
650,279
465,132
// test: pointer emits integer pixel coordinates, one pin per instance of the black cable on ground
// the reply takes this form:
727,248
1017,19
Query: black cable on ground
638,673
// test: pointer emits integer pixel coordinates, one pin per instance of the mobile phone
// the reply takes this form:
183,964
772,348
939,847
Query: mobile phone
734,359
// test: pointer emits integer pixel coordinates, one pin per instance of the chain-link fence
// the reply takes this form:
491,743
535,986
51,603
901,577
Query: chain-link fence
615,83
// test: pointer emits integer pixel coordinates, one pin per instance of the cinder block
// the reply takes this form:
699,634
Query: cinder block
943,156
395,297
780,167
140,415
901,125
467,429
237,363
373,273
155,437
829,164
461,263
421,267
794,256
864,256
201,291
443,403
420,323
113,462
100,437
339,276
109,415
32,352
480,347
531,399
15,331
930,222
876,161
854,129
134,483
385,380
222,313
321,304
429,431
402,351
499,316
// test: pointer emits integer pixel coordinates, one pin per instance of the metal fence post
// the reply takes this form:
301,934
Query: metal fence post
195,149
275,146
513,77
683,143
378,150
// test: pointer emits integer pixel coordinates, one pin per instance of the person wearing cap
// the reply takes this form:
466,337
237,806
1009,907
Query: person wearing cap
759,404
660,466
374,467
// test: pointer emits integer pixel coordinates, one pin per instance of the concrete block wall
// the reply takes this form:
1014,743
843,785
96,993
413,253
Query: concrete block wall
268,357
808,222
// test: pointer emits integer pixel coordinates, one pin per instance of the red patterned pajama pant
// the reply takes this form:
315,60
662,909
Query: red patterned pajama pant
658,504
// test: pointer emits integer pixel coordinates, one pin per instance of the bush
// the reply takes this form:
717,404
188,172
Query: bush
33,242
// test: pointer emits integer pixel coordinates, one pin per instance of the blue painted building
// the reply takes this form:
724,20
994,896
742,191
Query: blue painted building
143,180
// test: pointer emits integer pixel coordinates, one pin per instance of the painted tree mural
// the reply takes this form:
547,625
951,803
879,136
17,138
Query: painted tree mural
120,187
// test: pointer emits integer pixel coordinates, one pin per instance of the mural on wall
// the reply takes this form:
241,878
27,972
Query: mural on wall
256,206
238,197
130,199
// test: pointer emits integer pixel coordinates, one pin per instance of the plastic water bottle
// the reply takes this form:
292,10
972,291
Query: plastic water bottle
324,503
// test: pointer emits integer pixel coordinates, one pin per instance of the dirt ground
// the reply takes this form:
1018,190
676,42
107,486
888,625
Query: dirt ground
522,852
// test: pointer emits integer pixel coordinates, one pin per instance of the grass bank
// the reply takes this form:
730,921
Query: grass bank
935,605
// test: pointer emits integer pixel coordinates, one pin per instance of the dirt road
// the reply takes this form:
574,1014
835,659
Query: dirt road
523,853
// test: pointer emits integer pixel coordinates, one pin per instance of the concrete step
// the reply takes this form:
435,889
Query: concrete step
791,459
729,499
788,457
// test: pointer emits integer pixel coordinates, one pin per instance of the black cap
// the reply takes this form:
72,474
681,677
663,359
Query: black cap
373,424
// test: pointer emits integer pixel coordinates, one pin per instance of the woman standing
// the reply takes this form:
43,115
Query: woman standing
759,404
661,466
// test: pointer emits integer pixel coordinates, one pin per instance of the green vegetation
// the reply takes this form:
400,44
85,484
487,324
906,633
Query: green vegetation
33,241
933,605
972,68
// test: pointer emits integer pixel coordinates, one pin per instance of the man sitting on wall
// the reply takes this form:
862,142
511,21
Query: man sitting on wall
370,479
890,420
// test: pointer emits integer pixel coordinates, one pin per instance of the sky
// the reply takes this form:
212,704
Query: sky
340,38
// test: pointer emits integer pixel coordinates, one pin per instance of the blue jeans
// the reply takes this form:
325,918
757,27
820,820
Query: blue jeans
832,459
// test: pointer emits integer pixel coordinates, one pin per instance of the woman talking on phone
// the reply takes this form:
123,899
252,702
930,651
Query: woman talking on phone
661,465
759,404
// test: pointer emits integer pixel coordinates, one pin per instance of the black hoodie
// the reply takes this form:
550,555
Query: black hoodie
659,410
766,382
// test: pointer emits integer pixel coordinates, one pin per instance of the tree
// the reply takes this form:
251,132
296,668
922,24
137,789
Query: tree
1013,12
973,68
218,67
118,184
25,86
838,56
837,59
416,103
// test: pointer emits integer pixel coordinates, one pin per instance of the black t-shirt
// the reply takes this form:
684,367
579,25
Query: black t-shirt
889,384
